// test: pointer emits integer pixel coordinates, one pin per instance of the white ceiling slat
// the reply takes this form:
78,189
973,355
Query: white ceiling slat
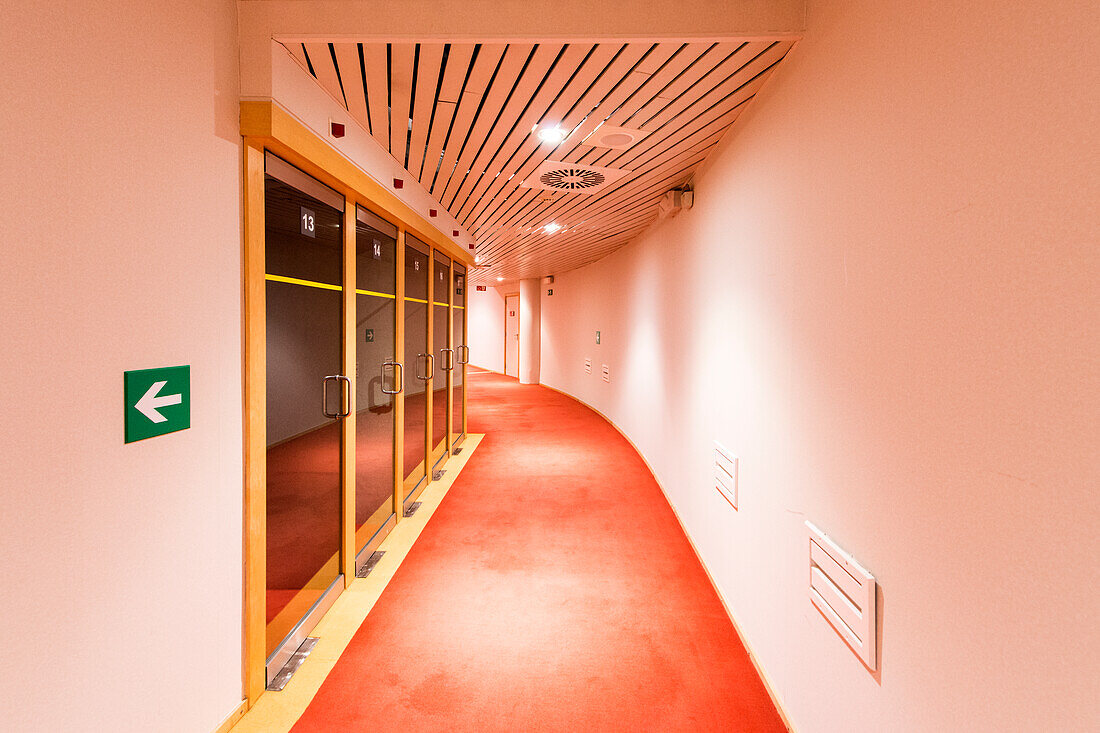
402,58
471,141
347,60
321,59
427,77
483,66
378,83
496,96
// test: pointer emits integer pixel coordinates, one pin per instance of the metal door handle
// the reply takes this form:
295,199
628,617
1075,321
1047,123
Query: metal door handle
431,370
344,411
460,359
398,375
448,359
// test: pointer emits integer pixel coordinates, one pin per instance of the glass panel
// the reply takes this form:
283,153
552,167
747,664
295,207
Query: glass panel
417,274
441,338
375,315
458,338
304,336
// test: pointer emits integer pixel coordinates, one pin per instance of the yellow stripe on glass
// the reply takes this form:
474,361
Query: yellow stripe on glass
299,281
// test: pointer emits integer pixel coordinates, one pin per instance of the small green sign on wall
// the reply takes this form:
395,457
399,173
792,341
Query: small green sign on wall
156,401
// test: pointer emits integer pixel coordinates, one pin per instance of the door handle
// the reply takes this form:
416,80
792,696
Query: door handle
345,399
398,375
462,361
448,359
428,358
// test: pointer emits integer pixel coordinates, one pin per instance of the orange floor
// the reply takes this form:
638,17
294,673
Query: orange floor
552,590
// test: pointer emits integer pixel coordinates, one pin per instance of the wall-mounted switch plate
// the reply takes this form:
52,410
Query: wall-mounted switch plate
587,366
606,373
725,473
597,337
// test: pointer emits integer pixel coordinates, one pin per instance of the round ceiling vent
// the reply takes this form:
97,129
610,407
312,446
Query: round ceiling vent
571,179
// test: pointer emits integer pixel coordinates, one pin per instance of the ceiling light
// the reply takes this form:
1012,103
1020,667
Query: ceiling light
552,134
551,228
500,279
477,259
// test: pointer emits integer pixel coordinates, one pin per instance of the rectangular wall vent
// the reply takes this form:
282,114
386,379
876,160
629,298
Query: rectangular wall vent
606,373
725,473
844,592
587,366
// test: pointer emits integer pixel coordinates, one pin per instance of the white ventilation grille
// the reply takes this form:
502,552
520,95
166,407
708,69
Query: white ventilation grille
616,138
554,175
844,592
725,473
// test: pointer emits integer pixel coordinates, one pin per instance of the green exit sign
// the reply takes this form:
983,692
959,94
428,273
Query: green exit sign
156,401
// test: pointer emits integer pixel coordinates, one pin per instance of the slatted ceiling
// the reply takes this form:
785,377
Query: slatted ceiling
484,62
533,151
428,80
402,69
517,58
630,159
472,108
519,145
534,80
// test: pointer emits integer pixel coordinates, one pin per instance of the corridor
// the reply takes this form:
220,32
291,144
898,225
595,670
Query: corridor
553,590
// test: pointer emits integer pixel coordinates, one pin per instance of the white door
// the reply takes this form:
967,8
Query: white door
511,336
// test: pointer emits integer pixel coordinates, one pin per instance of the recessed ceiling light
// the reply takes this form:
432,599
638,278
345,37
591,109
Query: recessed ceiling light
551,133
500,279
551,228
477,259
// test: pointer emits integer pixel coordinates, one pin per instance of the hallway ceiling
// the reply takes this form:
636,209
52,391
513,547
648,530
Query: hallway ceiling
461,119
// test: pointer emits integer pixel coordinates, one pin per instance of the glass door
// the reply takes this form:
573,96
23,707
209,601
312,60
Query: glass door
421,365
444,357
462,358
307,398
379,379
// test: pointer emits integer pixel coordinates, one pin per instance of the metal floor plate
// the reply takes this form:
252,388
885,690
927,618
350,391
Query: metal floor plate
369,564
438,474
411,508
278,682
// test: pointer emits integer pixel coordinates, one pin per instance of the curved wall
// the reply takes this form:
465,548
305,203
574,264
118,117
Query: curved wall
885,303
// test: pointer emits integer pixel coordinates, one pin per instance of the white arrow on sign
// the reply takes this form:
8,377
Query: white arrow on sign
151,400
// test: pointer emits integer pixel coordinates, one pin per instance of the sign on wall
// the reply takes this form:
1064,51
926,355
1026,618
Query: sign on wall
156,401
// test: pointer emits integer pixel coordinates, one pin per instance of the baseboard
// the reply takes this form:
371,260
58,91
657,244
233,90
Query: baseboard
487,369
232,718
683,528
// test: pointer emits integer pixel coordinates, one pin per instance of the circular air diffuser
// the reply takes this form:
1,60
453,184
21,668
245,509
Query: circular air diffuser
571,179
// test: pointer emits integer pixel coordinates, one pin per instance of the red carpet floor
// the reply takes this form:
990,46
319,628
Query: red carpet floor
553,590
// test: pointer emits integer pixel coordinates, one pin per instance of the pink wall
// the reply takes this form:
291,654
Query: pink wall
885,302
486,330
121,564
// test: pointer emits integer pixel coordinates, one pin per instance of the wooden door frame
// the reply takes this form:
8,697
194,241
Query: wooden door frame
266,126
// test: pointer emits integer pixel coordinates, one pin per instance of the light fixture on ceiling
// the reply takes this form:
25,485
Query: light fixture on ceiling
550,133
500,279
551,227
477,259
